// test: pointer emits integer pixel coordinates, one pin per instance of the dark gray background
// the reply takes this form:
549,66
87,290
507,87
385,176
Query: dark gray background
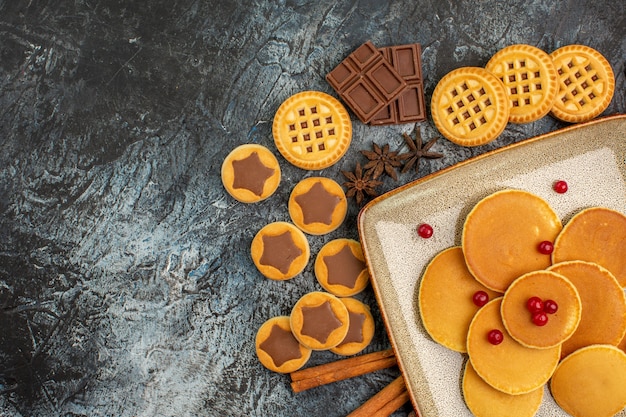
126,284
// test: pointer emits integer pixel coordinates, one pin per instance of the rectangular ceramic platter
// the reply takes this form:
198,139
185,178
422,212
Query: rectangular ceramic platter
590,157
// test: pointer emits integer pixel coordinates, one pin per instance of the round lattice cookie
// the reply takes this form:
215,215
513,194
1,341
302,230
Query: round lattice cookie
469,106
586,83
312,130
530,81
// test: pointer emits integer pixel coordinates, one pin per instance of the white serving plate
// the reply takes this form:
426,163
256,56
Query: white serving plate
591,157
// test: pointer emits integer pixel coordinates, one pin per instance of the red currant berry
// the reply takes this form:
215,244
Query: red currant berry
495,337
425,230
550,306
540,318
560,186
546,247
534,304
480,298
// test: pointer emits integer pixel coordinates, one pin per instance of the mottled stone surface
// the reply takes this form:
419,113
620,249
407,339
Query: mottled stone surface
126,284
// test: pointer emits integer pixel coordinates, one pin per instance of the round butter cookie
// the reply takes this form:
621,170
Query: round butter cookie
586,83
320,320
590,382
250,173
508,366
445,299
598,235
340,267
312,130
277,348
603,319
469,106
360,330
280,251
547,286
485,401
530,81
317,205
501,235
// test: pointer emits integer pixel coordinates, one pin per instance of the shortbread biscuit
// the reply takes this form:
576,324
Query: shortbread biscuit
590,382
280,251
469,106
530,81
340,267
586,83
250,173
360,331
277,348
319,320
312,130
317,205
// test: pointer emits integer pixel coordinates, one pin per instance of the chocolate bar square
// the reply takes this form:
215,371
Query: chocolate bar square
409,106
366,81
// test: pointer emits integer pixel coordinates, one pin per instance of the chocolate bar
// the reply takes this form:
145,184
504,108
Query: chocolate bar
366,81
409,106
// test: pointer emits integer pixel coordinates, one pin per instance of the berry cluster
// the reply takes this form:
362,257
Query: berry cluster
540,309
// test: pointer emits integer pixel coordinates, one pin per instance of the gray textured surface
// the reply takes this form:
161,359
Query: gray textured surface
126,286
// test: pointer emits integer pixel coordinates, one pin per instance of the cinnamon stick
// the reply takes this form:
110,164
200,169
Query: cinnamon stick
383,404
342,369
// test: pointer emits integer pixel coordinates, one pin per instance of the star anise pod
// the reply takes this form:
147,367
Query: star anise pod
360,184
416,151
382,160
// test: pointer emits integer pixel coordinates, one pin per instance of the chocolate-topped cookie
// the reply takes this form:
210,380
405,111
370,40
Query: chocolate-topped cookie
340,267
319,320
360,330
250,173
280,251
277,348
317,205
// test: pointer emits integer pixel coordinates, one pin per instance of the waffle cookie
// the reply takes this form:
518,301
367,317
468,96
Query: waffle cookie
317,205
320,320
586,83
360,331
340,267
590,382
280,251
595,234
470,106
250,173
312,130
530,81
277,348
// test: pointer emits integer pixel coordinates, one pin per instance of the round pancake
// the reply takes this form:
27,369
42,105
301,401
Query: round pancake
598,235
485,401
547,286
509,366
603,319
591,382
445,299
501,235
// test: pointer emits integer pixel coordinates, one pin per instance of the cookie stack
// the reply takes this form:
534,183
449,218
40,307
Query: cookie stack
471,106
